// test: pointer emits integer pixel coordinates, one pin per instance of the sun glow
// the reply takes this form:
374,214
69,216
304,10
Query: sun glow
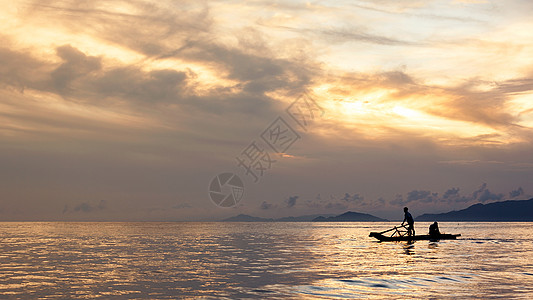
375,113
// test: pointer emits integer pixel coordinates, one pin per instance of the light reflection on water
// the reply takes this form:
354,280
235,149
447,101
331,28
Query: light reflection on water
271,260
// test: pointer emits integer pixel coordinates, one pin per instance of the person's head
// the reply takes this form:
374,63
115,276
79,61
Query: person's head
435,223
405,209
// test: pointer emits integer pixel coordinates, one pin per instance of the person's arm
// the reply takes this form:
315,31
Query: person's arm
404,219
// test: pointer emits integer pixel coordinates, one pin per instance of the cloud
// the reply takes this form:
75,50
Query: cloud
334,202
516,193
265,205
352,198
161,90
86,207
316,203
185,33
398,200
291,201
450,196
82,77
515,86
147,28
451,193
421,196
75,64
415,196
253,65
161,34
407,10
477,104
483,194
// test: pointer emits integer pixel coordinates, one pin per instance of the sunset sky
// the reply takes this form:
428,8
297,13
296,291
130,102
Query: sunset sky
126,110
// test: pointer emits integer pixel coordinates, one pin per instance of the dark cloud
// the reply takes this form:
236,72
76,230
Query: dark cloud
82,76
258,73
291,201
416,196
450,196
75,64
518,85
133,84
265,205
21,69
483,194
398,200
352,198
421,196
451,193
87,207
516,193
316,203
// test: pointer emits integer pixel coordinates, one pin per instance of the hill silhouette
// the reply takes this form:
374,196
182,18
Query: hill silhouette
247,218
350,216
504,211
510,211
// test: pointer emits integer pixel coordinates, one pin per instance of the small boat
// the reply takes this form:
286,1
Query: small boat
399,233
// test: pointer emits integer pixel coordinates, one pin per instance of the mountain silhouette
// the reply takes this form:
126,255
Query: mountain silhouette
247,218
350,216
306,218
510,211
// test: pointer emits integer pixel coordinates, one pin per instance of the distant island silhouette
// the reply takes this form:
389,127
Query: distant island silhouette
503,211
350,216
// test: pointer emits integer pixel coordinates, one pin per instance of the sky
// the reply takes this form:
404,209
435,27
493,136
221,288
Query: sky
128,110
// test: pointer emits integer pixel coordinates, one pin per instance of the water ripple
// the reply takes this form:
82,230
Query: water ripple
267,260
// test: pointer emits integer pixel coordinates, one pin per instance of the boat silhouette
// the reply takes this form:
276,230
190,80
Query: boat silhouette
399,233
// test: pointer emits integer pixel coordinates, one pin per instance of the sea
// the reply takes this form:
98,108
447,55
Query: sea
181,260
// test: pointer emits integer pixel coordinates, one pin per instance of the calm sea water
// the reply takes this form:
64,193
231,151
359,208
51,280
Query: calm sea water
268,260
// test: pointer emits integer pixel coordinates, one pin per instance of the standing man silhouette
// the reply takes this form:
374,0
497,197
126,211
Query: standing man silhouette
410,222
